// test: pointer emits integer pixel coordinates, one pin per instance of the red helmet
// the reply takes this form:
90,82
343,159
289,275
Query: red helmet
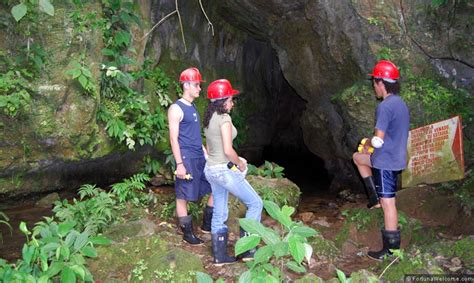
190,75
220,89
385,69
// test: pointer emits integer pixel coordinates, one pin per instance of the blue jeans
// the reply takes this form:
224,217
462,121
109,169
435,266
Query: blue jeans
223,180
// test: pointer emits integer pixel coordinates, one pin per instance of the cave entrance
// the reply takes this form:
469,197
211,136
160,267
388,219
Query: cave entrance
302,167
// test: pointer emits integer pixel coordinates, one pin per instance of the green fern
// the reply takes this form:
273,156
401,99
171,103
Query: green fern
131,189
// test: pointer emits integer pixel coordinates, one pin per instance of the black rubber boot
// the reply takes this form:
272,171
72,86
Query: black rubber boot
186,225
391,241
248,255
207,219
219,249
371,192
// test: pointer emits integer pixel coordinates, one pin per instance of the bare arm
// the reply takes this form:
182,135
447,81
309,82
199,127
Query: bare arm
226,133
379,133
174,118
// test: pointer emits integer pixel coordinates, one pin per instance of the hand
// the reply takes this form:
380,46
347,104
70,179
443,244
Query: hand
365,146
180,171
242,164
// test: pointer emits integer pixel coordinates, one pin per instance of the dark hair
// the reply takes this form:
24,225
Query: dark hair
393,88
216,106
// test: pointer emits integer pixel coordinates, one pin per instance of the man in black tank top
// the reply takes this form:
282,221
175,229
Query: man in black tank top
188,152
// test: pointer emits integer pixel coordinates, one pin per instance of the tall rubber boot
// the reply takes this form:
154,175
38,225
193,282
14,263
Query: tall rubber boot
207,219
248,255
371,192
186,225
391,241
219,249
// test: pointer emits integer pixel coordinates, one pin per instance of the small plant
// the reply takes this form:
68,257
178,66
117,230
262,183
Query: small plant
362,218
55,251
4,222
93,212
385,53
268,170
14,96
132,190
287,248
373,21
137,271
342,277
202,277
165,275
20,10
151,166
83,75
270,194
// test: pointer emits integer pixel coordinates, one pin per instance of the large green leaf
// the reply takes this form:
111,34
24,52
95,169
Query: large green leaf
107,52
46,7
55,268
27,253
263,254
271,279
84,81
49,247
295,267
43,279
280,249
79,270
19,11
68,275
297,249
245,277
65,252
341,276
246,243
100,240
304,231
74,73
70,238
275,212
202,277
65,227
78,258
89,251
252,226
287,210
122,37
81,240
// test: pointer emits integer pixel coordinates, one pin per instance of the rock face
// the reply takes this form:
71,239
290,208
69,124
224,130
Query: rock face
292,57
288,58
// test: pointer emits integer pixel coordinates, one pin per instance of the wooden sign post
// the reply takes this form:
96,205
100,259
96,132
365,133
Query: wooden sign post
435,153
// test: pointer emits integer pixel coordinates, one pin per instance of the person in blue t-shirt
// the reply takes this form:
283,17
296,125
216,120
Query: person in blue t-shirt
381,169
188,152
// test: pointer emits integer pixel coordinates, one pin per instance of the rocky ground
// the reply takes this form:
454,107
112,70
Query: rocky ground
436,238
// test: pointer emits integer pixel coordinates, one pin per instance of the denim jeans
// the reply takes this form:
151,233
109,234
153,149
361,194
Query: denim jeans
223,180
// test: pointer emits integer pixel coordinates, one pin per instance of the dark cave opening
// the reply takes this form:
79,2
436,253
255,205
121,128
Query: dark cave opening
302,167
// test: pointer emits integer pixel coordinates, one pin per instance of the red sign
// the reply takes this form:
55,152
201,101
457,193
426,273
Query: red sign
435,153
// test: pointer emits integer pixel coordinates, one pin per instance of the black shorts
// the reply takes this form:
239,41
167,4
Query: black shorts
385,182
198,187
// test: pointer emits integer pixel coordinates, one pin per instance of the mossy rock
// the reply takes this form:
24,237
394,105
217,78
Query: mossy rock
419,264
324,248
281,191
127,230
144,259
464,249
363,276
310,278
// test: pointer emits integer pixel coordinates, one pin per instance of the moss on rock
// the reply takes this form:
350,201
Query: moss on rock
150,259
